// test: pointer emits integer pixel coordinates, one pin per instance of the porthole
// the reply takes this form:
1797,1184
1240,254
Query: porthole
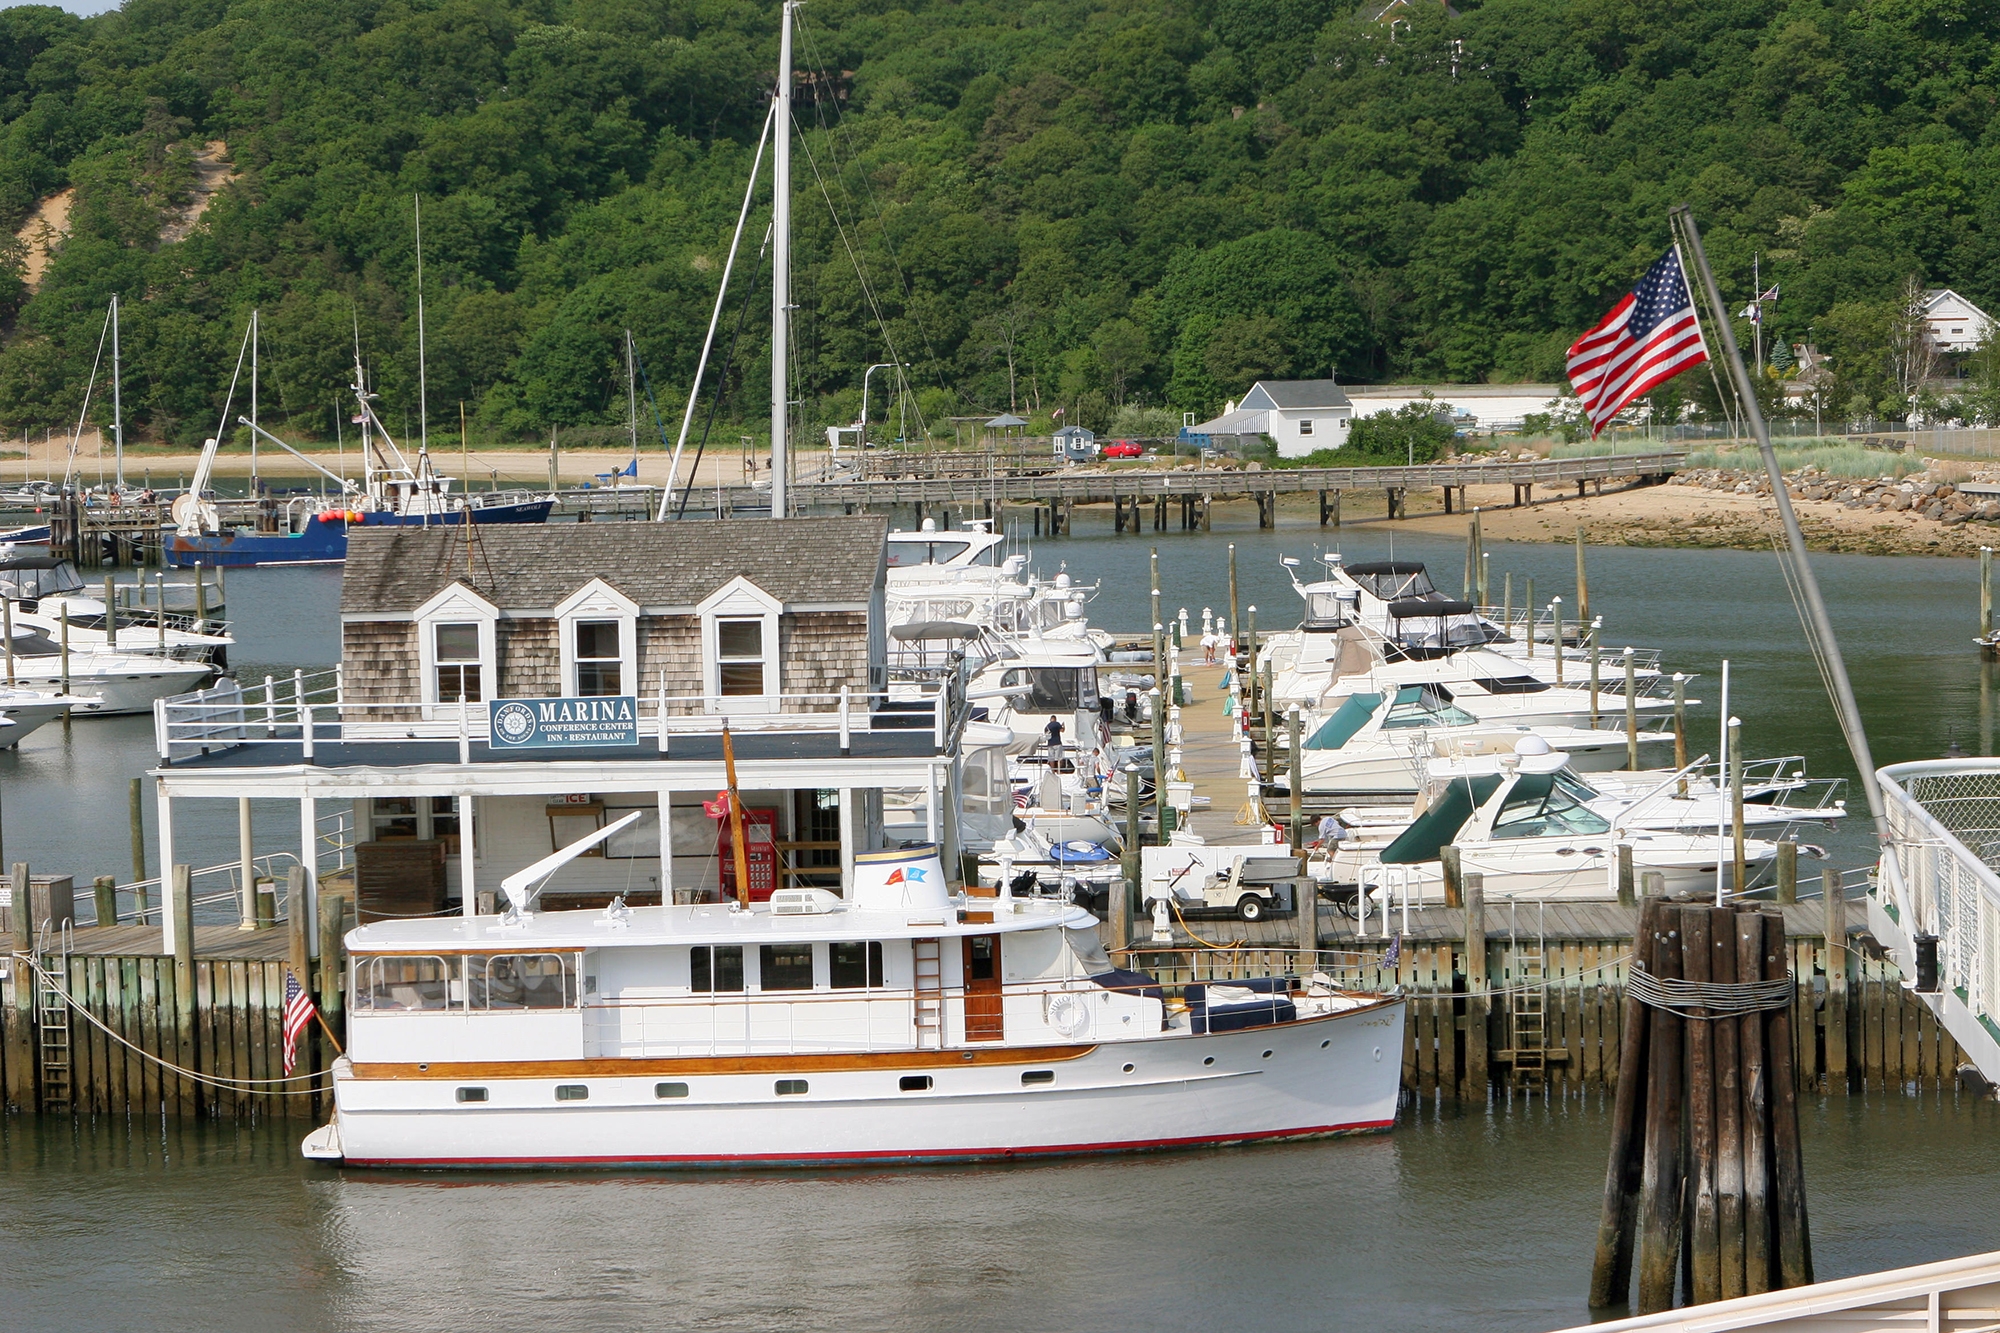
572,1092
1129,1068
914,1083
1328,1042
791,1087
472,1094
1267,1055
666,1090
1208,1060
1030,1077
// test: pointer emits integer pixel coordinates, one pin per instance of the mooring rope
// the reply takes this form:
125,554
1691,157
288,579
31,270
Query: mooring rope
239,1085
1721,999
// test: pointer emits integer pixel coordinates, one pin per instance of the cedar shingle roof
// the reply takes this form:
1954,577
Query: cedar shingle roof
532,567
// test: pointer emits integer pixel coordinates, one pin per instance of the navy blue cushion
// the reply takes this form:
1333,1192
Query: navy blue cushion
1235,1017
1131,983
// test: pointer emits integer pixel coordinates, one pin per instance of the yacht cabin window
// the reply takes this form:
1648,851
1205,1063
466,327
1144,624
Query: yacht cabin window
456,654
520,981
785,967
404,984
854,965
1053,689
715,967
416,984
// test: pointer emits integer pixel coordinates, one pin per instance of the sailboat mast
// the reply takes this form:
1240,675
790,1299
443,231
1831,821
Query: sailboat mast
632,393
253,402
423,383
781,262
117,398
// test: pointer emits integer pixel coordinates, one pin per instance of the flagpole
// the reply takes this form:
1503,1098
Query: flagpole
1819,626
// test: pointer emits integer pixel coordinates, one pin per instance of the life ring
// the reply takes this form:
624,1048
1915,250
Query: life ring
1068,1014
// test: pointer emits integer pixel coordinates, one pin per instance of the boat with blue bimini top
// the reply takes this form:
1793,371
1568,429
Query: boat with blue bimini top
899,1024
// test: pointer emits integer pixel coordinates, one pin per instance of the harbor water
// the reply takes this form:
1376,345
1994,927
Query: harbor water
1462,1217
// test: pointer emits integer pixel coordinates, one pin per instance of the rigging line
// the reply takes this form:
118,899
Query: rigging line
722,375
76,436
860,270
881,222
721,295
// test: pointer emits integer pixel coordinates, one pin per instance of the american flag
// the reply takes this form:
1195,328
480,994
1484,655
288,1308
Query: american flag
298,1012
1647,339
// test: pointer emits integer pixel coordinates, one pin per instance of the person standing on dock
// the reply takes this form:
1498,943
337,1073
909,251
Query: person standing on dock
1208,647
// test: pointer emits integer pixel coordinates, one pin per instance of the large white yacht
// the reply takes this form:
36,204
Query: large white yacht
899,1024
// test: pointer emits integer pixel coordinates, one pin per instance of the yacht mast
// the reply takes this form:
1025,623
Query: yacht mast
117,398
781,261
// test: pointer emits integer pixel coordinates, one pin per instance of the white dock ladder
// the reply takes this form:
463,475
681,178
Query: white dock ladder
930,995
51,957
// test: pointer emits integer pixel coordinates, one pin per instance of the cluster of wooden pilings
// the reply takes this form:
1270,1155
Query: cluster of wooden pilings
195,1032
1706,1183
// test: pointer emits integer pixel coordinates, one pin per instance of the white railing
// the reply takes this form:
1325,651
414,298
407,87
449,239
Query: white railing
271,865
1944,833
306,710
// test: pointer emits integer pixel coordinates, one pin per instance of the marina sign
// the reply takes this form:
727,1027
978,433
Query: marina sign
557,724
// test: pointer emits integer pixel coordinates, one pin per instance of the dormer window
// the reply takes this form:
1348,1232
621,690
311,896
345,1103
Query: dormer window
598,630
455,650
598,662
739,656
740,648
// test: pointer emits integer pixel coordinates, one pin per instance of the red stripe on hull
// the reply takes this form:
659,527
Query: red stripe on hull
877,1158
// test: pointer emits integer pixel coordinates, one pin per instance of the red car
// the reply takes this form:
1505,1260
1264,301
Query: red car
1122,449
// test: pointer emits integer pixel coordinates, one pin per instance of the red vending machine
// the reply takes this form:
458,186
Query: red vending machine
760,843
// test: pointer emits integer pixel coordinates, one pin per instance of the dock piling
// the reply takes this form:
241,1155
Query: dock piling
104,891
1659,1221
1478,1004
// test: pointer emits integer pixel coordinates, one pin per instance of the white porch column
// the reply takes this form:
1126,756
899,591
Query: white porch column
666,848
309,858
849,839
246,854
165,819
467,853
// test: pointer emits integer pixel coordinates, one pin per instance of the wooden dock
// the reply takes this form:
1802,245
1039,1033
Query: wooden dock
132,533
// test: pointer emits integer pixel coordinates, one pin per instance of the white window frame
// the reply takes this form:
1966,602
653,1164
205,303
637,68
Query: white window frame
1305,425
740,599
598,600
456,605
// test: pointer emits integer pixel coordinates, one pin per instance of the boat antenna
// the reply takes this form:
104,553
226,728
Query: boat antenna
1818,626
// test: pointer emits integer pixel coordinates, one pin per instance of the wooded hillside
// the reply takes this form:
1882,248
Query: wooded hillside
1089,204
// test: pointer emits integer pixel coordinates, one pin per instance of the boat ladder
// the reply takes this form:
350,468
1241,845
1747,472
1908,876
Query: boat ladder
1527,1008
51,956
930,995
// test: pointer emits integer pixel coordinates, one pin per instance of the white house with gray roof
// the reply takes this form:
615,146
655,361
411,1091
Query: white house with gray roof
1299,415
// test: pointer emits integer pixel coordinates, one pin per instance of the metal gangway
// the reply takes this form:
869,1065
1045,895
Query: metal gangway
1944,833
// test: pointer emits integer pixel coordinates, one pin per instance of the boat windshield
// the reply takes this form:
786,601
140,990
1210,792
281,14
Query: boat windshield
1538,808
1393,580
1089,951
33,577
1575,787
1416,706
1350,717
1054,689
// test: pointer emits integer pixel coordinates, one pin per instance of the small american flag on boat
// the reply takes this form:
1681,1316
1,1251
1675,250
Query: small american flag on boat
299,1011
1648,338
1395,953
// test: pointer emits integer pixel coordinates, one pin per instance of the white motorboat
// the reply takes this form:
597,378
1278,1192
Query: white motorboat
117,683
1531,838
1381,742
27,710
898,1024
47,592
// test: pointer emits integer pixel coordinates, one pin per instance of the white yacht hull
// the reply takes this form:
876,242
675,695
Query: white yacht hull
1550,878
1337,1074
118,692
27,717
